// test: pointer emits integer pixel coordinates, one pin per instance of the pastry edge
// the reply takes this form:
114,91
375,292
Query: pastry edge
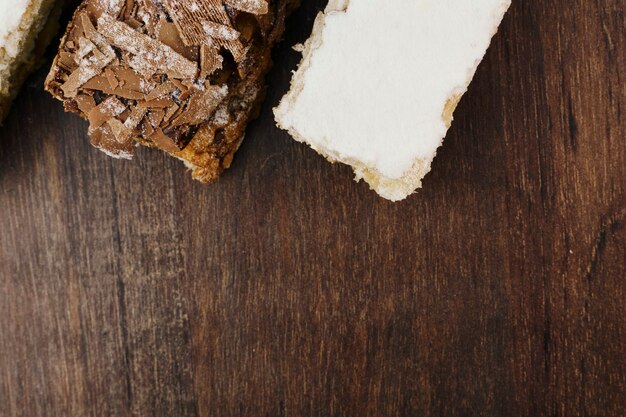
36,29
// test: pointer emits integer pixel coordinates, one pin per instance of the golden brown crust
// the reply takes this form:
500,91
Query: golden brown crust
37,28
185,78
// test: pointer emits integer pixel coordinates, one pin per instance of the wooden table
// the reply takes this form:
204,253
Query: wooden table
287,289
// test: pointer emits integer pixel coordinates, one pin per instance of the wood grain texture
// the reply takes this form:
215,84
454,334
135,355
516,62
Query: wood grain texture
287,289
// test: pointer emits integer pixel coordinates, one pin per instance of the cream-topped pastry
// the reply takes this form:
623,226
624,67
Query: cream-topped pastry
10,18
379,82
24,32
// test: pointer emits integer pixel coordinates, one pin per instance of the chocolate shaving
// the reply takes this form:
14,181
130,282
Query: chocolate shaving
171,112
202,22
104,139
123,131
117,127
133,81
156,116
210,60
158,103
163,141
85,47
179,85
91,58
83,74
109,108
101,84
167,33
164,89
92,34
85,103
111,78
149,54
206,22
202,103
66,61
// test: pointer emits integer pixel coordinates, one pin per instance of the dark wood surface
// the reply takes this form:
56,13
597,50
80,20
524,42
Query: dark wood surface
287,289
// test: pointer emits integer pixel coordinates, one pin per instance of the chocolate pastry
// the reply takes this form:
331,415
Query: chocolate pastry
184,76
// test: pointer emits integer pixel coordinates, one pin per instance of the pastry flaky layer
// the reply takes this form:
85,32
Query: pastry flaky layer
379,82
26,28
181,76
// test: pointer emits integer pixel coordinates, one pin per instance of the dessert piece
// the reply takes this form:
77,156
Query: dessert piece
184,76
379,82
25,31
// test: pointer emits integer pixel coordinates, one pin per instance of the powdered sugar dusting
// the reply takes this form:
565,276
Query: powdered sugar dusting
112,7
118,154
10,18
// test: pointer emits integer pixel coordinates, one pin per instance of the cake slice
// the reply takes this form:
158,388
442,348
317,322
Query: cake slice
25,31
379,82
183,76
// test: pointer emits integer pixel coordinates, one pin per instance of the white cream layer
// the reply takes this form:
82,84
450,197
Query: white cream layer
11,13
378,83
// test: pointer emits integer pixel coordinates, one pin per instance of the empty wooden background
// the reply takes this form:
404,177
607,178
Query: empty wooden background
289,290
